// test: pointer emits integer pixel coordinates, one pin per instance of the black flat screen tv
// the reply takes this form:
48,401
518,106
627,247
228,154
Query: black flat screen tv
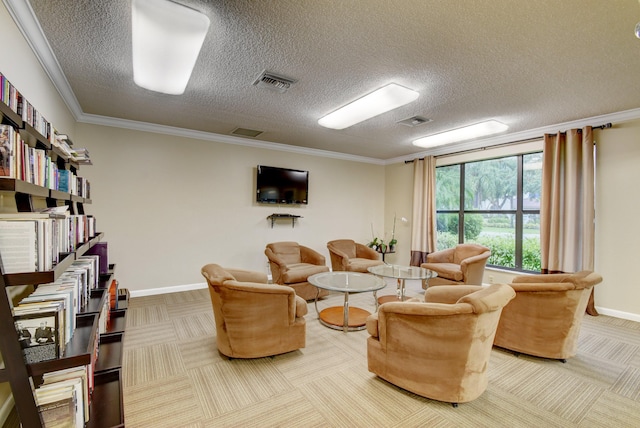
282,185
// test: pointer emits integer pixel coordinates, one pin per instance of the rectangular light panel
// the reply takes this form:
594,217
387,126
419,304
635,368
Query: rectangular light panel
481,129
380,101
167,38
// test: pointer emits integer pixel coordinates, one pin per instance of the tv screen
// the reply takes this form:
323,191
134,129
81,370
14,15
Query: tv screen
281,185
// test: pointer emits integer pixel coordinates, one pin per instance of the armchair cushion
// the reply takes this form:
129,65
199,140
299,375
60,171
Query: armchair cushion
299,272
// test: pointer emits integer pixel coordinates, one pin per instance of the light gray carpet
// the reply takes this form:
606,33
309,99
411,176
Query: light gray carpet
174,377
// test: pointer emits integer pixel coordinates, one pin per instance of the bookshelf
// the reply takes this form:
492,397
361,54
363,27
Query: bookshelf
106,407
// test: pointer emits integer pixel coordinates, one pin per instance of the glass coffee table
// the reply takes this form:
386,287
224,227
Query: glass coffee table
345,318
401,273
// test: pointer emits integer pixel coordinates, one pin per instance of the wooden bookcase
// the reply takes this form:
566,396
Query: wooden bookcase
106,408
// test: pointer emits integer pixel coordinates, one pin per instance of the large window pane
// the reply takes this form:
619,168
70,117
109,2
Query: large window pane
447,231
491,184
448,188
531,181
499,234
531,242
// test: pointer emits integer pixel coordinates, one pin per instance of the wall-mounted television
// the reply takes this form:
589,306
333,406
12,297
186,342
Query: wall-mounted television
282,185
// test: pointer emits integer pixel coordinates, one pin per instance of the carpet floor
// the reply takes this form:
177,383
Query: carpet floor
173,376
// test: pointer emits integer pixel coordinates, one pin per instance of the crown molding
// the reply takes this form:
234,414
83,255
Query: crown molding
220,138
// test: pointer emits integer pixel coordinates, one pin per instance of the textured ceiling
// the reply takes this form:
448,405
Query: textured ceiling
528,64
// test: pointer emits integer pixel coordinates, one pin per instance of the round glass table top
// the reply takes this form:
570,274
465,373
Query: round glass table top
347,282
402,272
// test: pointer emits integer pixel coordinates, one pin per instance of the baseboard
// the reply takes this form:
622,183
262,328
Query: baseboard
618,314
165,290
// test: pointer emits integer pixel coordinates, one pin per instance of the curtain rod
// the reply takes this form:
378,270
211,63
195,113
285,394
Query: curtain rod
603,126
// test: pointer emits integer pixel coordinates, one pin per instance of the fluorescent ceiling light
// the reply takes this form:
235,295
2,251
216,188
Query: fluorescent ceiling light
466,133
167,38
377,102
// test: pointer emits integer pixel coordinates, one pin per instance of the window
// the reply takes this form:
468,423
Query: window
495,203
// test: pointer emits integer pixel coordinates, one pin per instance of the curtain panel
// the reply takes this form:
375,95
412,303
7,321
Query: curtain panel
423,229
567,207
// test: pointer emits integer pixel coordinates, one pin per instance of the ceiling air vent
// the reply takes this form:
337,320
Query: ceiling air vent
244,132
414,121
274,82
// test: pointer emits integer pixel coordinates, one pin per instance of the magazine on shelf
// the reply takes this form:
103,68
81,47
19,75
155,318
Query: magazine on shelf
39,333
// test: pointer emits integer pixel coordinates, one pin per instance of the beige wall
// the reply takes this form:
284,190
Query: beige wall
168,205
617,221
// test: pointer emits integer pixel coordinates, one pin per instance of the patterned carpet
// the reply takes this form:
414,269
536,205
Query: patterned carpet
175,377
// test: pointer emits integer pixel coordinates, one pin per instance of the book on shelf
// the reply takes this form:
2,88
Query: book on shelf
64,292
39,331
65,389
18,246
58,411
9,94
29,237
80,373
9,139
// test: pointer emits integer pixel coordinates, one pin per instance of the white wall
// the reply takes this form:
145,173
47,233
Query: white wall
168,205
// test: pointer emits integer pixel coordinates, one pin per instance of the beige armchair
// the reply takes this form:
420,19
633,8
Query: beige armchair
545,317
438,348
348,255
463,264
254,319
291,264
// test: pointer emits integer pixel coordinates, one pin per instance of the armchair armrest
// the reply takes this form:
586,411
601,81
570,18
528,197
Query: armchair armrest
296,306
307,255
473,259
274,258
242,275
443,256
449,294
421,312
541,278
542,286
365,252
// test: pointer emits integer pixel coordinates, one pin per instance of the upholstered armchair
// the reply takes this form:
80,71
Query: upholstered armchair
348,255
291,264
545,317
438,348
463,264
254,319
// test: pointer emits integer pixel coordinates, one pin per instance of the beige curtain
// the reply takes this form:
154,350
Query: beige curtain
423,229
567,209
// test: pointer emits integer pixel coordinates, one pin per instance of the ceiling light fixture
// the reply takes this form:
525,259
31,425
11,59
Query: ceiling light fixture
465,133
167,38
377,102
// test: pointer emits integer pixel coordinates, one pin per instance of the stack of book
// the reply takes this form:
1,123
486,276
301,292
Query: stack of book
63,398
